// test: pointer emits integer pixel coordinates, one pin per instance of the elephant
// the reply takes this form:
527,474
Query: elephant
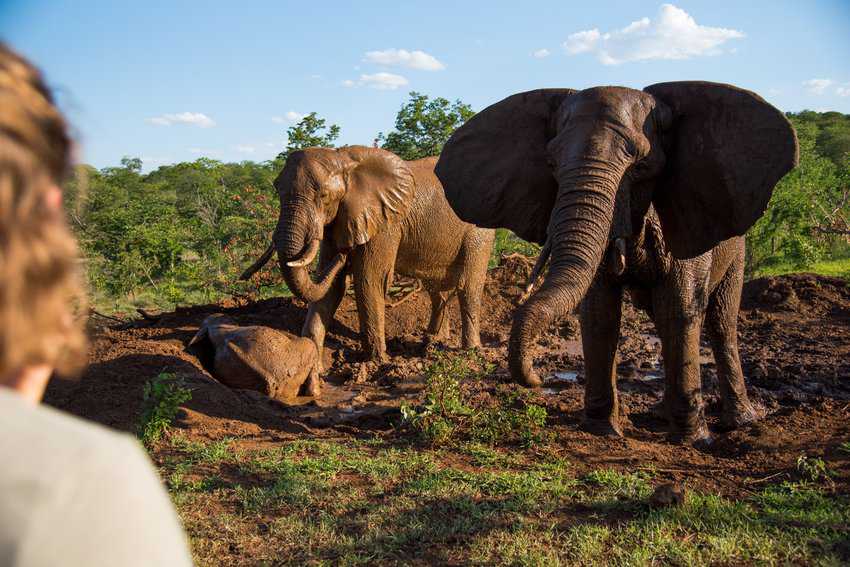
369,213
650,191
272,362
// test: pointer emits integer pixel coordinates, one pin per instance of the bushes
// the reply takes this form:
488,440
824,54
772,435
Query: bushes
163,396
451,413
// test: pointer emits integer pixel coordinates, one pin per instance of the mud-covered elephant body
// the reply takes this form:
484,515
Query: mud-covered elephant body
266,360
659,185
370,213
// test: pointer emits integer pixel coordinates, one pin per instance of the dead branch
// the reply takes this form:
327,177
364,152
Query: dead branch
147,315
109,317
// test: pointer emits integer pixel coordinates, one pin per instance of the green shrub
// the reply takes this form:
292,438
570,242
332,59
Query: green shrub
449,413
163,396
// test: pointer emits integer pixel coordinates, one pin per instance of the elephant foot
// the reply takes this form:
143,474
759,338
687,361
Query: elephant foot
530,379
602,427
697,437
739,415
313,385
376,356
437,338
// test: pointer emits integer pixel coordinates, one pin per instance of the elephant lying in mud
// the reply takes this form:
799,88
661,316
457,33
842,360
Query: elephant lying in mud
370,213
272,362
646,190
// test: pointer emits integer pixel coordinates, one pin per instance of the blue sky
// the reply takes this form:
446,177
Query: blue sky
169,81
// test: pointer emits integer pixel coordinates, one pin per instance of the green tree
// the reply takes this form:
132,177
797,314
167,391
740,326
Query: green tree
423,126
804,220
310,132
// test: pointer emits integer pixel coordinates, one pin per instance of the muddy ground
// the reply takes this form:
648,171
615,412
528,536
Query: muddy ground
794,338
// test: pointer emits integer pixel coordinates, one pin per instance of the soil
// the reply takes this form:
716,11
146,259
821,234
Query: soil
794,334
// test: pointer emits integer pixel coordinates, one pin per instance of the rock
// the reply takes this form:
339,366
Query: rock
274,363
667,495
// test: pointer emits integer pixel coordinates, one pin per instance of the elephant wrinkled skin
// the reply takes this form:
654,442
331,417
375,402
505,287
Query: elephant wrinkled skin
370,213
647,190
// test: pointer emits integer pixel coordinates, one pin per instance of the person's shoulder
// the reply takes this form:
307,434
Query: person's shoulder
99,484
44,434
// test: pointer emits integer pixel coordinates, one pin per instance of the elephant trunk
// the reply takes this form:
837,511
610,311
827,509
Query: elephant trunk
296,238
578,232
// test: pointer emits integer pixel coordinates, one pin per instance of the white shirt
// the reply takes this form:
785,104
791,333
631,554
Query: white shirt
78,494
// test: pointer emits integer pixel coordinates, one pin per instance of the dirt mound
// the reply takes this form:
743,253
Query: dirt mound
797,292
795,344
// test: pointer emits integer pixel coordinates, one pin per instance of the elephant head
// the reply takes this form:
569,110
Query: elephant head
581,169
343,196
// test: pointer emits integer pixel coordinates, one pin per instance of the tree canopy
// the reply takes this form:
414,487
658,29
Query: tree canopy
310,132
423,126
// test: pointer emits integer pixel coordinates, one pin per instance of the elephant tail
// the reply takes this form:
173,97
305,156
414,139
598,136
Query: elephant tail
262,261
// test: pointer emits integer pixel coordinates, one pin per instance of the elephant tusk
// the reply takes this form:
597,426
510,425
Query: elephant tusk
619,257
539,265
307,257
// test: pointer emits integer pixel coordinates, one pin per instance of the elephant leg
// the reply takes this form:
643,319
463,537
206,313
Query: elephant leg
320,316
477,247
438,326
722,326
470,316
683,394
373,272
601,311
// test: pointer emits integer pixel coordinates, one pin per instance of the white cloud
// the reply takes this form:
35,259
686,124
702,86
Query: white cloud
674,34
817,86
541,53
582,41
403,58
193,118
242,149
287,118
843,90
380,81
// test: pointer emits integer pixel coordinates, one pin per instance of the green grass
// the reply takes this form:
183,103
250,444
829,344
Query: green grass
834,268
163,396
363,502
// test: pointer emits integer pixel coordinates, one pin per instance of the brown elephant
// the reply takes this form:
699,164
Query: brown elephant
273,362
659,185
372,213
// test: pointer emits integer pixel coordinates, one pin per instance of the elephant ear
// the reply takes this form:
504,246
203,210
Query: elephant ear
379,191
726,150
494,169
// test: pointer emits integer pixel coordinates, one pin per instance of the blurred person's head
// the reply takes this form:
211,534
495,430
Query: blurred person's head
40,289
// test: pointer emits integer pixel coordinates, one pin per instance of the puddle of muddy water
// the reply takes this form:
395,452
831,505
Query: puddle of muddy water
559,381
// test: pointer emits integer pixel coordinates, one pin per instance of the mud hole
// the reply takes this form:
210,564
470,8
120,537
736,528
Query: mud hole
794,334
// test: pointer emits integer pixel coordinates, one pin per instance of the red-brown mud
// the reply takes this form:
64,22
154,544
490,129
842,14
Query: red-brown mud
794,338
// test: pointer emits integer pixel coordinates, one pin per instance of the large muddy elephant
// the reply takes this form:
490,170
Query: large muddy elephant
371,213
657,187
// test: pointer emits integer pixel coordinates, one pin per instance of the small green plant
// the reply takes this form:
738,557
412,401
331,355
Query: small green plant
514,415
449,413
845,447
813,469
163,396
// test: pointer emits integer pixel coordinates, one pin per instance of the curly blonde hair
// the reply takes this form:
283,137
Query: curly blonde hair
42,298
